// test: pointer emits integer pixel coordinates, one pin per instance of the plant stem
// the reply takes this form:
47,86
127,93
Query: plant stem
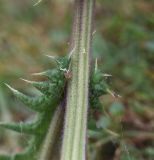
74,140
53,134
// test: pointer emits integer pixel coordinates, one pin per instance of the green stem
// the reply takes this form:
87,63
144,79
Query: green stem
53,134
74,140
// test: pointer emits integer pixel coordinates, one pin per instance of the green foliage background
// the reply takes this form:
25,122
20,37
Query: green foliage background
124,46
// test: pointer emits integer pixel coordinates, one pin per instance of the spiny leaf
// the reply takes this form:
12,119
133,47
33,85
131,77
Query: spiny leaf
45,105
58,73
53,75
41,86
20,127
45,87
52,57
62,62
99,87
49,73
34,103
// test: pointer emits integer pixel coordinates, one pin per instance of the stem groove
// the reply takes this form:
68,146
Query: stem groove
74,140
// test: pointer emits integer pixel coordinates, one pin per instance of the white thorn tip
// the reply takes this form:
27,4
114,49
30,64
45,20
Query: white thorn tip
38,74
64,69
25,80
107,75
39,1
94,32
49,56
71,52
96,65
119,96
12,89
111,93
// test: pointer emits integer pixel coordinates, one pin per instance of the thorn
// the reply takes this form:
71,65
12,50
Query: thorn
41,86
94,32
39,74
71,52
47,73
113,94
52,57
107,75
12,89
30,82
96,65
64,69
55,58
34,83
39,1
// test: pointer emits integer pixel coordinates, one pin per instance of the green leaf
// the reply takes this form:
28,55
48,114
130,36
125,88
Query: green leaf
20,127
35,103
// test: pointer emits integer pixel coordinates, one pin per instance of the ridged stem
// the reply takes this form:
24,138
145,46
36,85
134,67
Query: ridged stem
74,139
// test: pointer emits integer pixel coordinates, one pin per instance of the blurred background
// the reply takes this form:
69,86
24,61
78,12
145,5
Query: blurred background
124,46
